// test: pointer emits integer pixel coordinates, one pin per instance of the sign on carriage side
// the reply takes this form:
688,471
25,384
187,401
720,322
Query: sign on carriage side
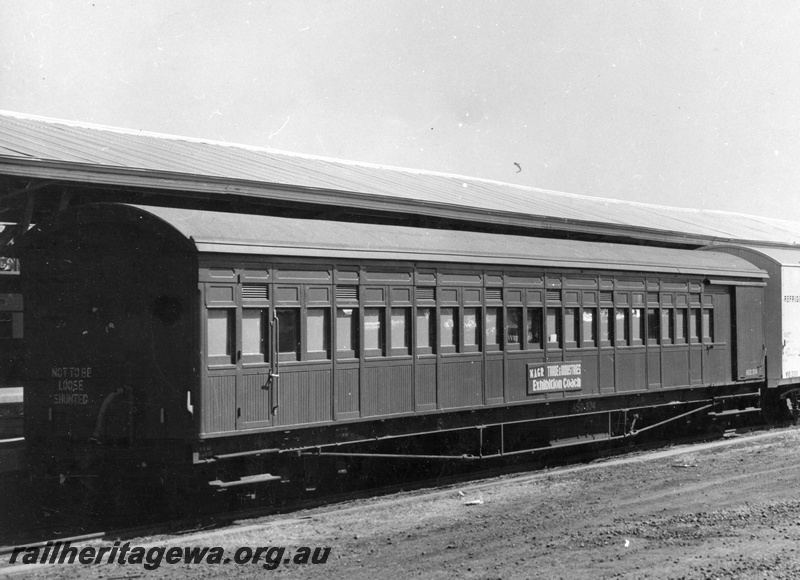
71,385
554,377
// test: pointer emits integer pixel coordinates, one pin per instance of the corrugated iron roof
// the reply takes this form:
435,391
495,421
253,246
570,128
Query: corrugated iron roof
53,149
231,233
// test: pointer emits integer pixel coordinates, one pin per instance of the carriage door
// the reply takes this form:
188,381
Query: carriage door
256,379
749,326
238,387
715,327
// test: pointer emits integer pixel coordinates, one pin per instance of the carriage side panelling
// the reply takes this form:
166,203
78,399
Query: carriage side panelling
338,342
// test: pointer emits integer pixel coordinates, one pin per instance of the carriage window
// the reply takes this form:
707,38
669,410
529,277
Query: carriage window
492,324
426,330
621,327
589,327
637,326
554,327
653,326
318,335
606,330
667,326
400,329
534,333
694,325
448,329
289,334
220,336
494,328
373,331
680,326
571,328
472,329
347,332
254,343
708,325
513,334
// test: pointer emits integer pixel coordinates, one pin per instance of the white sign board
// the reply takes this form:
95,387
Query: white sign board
554,377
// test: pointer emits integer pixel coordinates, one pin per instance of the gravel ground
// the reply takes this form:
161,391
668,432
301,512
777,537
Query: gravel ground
726,510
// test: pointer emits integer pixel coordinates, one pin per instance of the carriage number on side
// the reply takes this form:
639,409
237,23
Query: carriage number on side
583,407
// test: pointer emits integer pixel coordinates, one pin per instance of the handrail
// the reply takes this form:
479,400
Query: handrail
274,366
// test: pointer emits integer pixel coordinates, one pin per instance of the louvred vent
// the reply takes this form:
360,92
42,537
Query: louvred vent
347,292
494,293
426,293
255,292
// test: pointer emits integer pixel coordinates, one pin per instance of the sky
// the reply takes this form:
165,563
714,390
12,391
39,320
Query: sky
675,102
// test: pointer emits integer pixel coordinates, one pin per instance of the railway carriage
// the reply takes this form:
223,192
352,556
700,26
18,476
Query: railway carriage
781,315
185,341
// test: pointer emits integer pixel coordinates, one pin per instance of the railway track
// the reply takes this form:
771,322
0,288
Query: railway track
231,508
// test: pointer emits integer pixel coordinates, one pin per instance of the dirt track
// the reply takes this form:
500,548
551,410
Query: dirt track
728,511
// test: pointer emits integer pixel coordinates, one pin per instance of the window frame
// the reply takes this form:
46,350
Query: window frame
380,351
530,345
653,313
518,344
453,346
297,354
681,317
497,344
430,331
343,354
558,319
694,324
263,356
227,359
477,333
325,353
593,342
639,327
574,328
708,328
622,319
608,322
406,349
667,326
